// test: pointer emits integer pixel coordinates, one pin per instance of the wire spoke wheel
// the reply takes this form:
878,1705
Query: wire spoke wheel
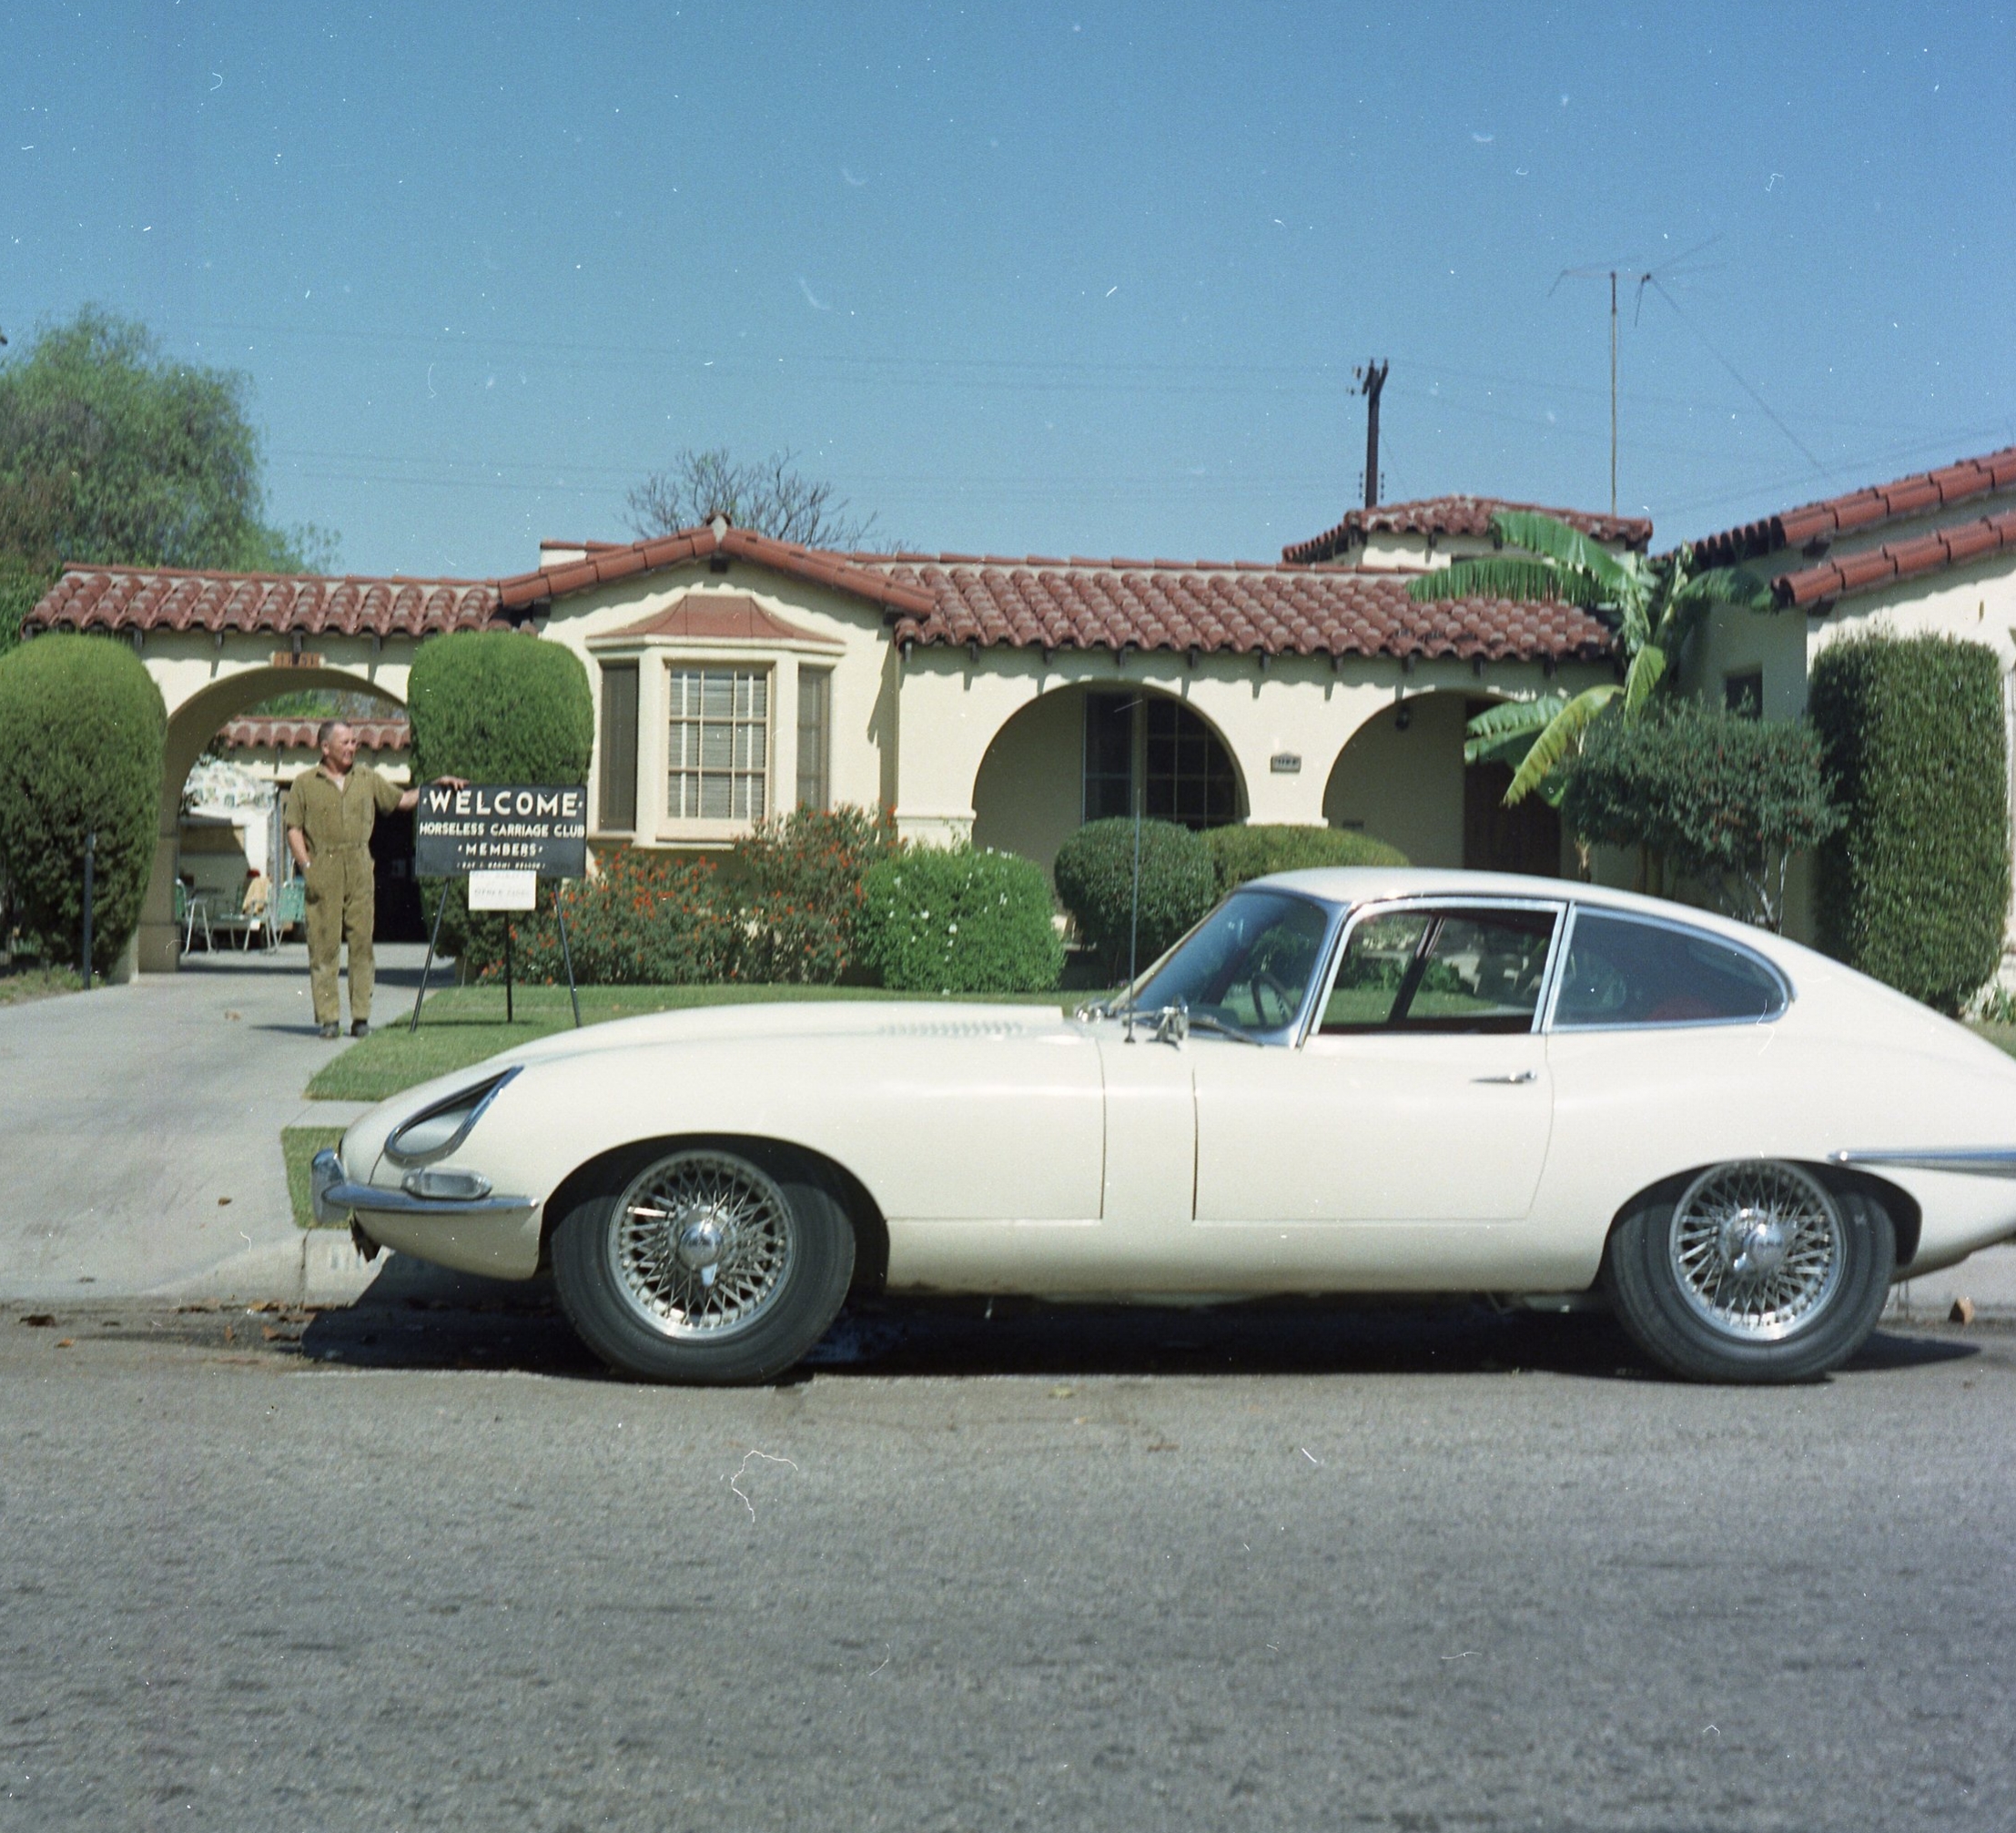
1757,1249
700,1245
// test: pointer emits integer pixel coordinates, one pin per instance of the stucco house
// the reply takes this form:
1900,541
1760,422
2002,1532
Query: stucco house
1931,554
1004,700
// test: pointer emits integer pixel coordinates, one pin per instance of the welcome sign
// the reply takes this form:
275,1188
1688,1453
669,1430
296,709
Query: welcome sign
501,828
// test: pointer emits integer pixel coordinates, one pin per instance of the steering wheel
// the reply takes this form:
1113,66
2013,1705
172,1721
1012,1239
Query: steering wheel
1266,986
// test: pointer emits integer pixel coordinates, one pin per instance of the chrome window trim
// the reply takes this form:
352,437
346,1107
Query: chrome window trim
1786,991
489,1094
1355,914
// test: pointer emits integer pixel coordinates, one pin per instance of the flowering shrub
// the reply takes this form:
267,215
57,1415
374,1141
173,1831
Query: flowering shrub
647,919
800,877
959,922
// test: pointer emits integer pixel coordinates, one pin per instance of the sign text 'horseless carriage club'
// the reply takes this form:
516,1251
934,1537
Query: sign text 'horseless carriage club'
488,827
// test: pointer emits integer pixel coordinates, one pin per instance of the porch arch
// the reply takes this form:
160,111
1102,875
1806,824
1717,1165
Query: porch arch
1401,777
1029,792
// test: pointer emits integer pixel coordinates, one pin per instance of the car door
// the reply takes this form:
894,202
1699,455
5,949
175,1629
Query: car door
1420,1092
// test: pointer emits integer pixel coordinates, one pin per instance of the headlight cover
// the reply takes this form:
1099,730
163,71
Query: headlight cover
436,1131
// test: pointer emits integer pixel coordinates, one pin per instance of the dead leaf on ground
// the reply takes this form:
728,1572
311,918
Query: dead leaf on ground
66,1342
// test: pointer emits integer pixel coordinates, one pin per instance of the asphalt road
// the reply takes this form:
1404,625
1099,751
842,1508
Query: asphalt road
414,1567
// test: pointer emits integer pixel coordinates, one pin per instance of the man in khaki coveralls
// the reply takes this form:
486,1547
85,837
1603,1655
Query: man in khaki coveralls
331,811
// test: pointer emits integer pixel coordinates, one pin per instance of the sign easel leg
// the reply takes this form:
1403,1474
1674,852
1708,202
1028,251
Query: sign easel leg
427,967
507,971
567,955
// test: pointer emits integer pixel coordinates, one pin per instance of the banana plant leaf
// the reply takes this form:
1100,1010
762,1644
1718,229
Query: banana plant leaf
1647,666
1566,547
1563,735
1507,575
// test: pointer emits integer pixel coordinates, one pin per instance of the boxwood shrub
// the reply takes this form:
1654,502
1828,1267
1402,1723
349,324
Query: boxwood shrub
1914,889
81,733
1239,853
1095,880
646,919
496,706
934,921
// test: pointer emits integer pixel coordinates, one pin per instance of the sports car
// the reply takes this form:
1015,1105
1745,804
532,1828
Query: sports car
1338,1082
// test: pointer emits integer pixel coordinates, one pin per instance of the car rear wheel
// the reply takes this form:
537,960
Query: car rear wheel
1754,1270
707,1264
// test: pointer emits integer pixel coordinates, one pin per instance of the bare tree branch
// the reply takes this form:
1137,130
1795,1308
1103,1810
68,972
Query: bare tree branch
769,496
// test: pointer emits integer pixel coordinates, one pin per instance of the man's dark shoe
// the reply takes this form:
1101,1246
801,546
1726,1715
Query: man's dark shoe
361,1027
332,1029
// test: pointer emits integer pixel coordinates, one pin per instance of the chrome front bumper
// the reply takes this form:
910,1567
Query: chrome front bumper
335,1198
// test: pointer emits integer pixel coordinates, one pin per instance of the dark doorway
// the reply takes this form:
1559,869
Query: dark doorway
395,886
1525,838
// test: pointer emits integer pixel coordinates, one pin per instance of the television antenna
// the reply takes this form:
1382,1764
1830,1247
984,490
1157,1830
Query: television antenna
1676,268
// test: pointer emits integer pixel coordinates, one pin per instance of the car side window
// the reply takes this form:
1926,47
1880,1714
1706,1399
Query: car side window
1624,970
1474,969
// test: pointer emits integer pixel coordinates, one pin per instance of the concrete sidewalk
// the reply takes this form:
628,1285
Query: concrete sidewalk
140,1132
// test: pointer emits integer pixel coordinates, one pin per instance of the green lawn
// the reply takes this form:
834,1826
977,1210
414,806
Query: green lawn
23,983
298,1146
462,1025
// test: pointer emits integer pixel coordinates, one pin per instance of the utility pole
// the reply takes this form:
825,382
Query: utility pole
1374,379
1613,391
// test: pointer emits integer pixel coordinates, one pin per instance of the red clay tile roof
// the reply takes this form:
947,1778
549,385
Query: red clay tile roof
1820,585
603,564
1817,524
1456,515
129,598
1246,609
298,734
714,617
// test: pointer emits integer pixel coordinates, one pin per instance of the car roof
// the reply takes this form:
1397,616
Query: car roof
1371,883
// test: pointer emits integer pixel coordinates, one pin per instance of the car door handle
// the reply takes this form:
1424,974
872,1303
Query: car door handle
1524,1076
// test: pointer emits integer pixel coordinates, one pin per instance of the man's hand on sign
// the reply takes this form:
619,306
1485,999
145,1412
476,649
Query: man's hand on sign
411,800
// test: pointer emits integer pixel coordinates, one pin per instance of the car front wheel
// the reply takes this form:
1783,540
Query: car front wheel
706,1264
1755,1270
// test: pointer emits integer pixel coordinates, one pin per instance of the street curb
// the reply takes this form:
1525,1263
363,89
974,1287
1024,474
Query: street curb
322,1267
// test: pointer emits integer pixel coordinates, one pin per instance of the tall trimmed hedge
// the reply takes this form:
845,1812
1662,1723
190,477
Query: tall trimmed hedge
1094,879
81,733
497,706
1914,889
500,707
1239,854
958,921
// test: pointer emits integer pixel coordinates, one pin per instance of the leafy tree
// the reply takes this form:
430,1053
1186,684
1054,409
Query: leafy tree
1714,796
113,452
1651,603
769,496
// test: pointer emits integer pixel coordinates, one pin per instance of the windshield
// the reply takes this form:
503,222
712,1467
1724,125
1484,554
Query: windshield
1248,964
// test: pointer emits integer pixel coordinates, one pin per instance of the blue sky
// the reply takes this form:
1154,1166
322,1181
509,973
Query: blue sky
1064,280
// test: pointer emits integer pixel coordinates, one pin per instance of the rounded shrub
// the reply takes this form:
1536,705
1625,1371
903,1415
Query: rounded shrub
497,706
81,733
1239,853
934,921
1914,889
1094,879
800,876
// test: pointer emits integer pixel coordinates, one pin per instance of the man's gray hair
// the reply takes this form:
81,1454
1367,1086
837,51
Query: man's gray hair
326,731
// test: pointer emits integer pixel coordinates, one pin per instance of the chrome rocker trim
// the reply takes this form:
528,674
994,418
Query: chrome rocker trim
1979,1161
335,1198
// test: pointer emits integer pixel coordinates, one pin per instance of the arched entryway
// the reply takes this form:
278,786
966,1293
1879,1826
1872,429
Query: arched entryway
1402,778
1079,753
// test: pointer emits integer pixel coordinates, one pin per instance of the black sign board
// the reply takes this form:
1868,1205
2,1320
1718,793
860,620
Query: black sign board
492,827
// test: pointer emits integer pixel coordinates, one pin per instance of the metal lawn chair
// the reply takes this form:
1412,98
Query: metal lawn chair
190,912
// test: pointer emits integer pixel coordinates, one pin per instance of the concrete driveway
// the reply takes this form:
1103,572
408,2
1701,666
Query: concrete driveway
139,1128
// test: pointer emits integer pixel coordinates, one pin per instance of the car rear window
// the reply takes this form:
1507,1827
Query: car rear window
1626,971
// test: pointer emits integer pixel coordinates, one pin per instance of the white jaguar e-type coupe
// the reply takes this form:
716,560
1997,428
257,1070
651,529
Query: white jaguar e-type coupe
1341,1081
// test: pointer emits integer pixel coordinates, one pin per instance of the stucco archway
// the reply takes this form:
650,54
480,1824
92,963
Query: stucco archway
1029,793
1401,777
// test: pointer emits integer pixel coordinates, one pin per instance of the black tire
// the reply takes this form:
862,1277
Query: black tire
632,1261
1675,1270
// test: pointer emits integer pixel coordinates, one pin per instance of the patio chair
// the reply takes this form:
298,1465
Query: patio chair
238,921
286,910
190,912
